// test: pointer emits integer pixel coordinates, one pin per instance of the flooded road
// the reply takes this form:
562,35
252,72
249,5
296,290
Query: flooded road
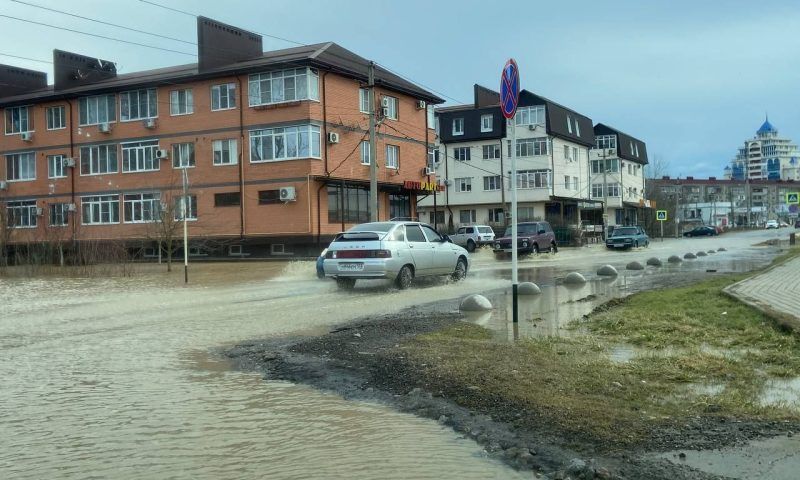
114,377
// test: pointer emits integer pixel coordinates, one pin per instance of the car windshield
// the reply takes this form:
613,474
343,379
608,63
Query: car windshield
524,229
373,227
625,231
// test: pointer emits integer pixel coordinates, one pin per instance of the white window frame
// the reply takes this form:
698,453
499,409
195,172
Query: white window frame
277,81
597,190
462,154
471,213
217,97
577,127
178,107
574,154
463,184
22,214
532,115
17,173
606,141
567,182
99,156
575,183
531,179
363,100
142,155
392,157
58,211
496,215
218,150
531,145
569,124
394,106
613,189
144,207
486,126
51,117
183,155
492,151
106,208
107,104
132,99
491,183
458,122
179,204
55,166
365,151
269,137
431,113
567,153
21,125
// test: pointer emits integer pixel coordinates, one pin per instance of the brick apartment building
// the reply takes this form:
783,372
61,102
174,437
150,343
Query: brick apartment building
274,145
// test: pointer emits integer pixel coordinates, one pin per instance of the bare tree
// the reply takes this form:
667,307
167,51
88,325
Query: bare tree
658,168
166,227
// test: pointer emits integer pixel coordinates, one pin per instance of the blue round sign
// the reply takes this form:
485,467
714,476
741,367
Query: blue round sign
509,89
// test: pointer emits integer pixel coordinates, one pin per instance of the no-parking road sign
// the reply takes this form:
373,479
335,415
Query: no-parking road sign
509,89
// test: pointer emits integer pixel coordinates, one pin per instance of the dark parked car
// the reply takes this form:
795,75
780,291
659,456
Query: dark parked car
627,237
703,230
532,237
797,224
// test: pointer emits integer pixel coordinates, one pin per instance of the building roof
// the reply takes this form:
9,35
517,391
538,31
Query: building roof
666,180
622,140
766,127
328,55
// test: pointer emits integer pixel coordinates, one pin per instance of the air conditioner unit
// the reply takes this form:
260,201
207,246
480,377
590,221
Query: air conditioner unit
384,111
39,211
104,127
610,152
385,102
68,162
162,154
71,207
333,137
150,123
420,104
26,136
3,185
430,170
288,194
532,127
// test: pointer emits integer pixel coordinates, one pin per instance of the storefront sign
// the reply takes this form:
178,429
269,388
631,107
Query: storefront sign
424,186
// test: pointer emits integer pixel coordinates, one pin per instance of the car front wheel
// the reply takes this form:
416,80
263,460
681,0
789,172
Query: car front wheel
404,277
535,249
461,270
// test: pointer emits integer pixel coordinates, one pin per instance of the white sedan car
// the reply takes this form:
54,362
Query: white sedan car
395,250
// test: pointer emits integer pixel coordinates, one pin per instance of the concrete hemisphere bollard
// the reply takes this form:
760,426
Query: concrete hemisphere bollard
607,271
528,288
701,254
722,249
574,278
475,303
654,262
634,266
690,256
674,259
711,251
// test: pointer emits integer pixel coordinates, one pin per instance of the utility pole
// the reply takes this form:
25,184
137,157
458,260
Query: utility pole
185,208
373,157
605,196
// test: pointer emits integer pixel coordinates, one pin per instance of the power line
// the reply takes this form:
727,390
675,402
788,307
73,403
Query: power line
98,36
25,58
419,83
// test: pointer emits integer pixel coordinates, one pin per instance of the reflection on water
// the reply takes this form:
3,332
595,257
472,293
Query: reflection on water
781,392
112,378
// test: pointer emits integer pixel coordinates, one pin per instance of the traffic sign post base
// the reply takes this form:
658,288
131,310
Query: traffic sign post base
515,302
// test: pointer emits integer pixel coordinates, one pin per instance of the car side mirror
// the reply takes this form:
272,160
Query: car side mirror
542,232
446,238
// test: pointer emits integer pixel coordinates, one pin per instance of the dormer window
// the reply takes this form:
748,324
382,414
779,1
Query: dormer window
486,123
569,123
458,126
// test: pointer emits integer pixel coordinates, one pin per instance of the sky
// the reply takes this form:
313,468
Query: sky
691,79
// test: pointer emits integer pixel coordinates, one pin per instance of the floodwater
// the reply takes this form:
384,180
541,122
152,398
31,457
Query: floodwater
113,377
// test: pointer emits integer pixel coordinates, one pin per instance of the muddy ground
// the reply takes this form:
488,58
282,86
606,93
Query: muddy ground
361,361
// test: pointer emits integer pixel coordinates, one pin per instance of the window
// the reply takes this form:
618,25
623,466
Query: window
575,183
140,156
567,182
183,155
569,124
496,215
433,156
97,109
390,104
223,97
138,104
466,216
399,206
533,178
431,117
224,152
414,234
636,149
613,189
612,165
55,166
567,152
462,153
530,115
100,209
99,159
526,214
597,190
228,199
631,146
190,203
267,197
486,123
284,143
491,152
59,214
22,214
283,86
463,184
21,166
56,118
630,169
349,204
606,141
574,153
363,100
392,156
18,120
142,207
491,183
436,218
181,102
458,126
577,128
365,153
528,147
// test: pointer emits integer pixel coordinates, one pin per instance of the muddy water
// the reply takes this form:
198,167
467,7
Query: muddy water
113,378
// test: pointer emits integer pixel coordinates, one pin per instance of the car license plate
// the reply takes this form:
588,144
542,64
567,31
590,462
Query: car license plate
351,267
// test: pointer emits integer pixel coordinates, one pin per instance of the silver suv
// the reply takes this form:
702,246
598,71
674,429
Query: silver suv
393,250
473,236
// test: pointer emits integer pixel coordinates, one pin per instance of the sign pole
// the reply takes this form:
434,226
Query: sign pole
514,233
662,230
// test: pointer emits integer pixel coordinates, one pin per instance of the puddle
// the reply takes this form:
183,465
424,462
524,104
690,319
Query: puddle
771,459
706,389
622,353
781,393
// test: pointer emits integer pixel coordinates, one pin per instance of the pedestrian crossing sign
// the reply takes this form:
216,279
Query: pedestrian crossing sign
661,215
793,198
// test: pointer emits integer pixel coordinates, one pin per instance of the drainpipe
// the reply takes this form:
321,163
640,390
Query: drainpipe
325,124
74,170
241,156
446,189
